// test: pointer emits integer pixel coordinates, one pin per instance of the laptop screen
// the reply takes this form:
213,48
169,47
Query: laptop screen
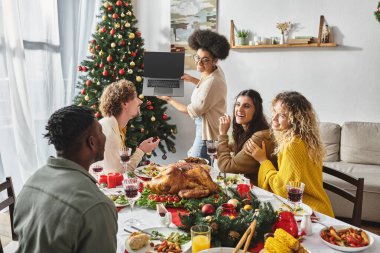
163,64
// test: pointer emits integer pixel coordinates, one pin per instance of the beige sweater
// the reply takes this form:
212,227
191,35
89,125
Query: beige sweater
241,162
208,101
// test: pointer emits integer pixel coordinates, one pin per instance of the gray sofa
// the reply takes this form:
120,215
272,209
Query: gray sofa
354,148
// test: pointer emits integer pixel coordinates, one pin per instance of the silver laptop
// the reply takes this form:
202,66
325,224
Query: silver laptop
162,74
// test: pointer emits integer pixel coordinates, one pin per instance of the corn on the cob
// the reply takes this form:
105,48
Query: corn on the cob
273,245
287,239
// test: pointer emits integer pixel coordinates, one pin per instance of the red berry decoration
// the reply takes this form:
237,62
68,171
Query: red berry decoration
119,3
133,54
149,103
113,31
79,68
88,83
150,107
83,92
84,68
115,16
121,72
98,115
109,58
164,157
164,116
122,43
105,73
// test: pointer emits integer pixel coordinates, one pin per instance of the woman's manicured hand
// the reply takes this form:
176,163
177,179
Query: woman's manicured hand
224,124
149,144
257,152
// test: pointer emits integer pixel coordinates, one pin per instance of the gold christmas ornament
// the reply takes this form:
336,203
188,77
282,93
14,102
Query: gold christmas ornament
113,44
132,64
141,96
101,53
106,4
104,17
120,36
153,119
122,15
130,71
98,83
127,24
131,36
138,78
129,13
86,98
117,25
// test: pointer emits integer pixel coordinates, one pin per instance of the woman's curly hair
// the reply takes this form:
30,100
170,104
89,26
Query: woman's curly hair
258,122
303,124
210,41
114,95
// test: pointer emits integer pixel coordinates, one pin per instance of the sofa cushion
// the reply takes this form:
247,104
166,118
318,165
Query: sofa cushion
360,143
370,173
330,134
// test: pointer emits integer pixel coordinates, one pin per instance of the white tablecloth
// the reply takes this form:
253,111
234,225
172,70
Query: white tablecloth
313,243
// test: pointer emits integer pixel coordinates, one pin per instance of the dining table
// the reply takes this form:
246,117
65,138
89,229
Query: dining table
313,243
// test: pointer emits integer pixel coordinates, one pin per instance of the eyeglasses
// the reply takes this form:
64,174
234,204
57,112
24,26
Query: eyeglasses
203,60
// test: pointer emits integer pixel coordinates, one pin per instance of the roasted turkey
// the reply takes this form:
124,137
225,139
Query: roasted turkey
185,179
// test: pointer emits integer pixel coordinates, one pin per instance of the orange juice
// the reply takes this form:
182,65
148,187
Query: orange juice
200,242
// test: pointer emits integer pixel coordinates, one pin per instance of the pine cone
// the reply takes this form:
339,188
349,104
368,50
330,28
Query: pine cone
233,235
214,227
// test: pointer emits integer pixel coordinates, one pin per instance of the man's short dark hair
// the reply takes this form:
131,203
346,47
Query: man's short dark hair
67,124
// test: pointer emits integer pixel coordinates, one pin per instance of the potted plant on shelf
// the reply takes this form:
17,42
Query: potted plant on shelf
243,37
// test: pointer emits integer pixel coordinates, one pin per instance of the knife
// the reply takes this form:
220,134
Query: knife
288,205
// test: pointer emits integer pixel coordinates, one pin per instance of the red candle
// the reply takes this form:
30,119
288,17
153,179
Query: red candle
119,178
111,180
102,179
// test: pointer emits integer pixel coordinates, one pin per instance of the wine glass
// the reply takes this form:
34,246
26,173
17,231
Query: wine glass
211,149
125,155
131,188
97,169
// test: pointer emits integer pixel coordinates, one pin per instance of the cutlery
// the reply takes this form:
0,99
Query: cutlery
288,205
161,238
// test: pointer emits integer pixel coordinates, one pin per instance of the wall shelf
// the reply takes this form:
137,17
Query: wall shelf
316,44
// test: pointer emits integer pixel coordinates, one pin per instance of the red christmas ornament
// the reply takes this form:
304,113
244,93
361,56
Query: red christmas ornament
94,106
92,50
109,8
98,115
88,83
121,72
122,43
93,41
97,47
105,73
109,58
164,116
113,31
115,16
133,54
83,92
103,30
80,68
150,107
126,4
84,68
119,3
142,65
149,103
101,65
138,34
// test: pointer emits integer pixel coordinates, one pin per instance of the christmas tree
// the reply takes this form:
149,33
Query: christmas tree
116,52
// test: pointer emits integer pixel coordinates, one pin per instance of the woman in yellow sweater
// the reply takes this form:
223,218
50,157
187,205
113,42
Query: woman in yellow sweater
299,149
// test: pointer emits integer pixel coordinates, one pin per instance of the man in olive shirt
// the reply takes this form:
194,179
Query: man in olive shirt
60,208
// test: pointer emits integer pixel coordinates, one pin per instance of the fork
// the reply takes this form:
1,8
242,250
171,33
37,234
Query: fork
161,238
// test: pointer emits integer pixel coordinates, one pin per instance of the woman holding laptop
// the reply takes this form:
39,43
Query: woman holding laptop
208,100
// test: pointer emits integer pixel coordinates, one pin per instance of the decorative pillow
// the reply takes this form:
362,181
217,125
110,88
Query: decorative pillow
361,143
330,134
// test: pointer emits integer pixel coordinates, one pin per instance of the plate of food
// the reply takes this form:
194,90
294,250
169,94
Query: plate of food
196,160
148,171
119,200
346,238
282,204
172,240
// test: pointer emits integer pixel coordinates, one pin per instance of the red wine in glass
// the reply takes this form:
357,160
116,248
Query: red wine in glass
295,195
131,191
97,169
124,158
162,214
211,151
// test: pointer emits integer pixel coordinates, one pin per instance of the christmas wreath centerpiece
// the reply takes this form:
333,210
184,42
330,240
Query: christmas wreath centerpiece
377,12
228,227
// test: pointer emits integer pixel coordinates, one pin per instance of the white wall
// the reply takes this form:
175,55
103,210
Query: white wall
343,83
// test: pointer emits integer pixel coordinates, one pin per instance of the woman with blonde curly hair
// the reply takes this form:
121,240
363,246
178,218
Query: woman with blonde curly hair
119,104
299,149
